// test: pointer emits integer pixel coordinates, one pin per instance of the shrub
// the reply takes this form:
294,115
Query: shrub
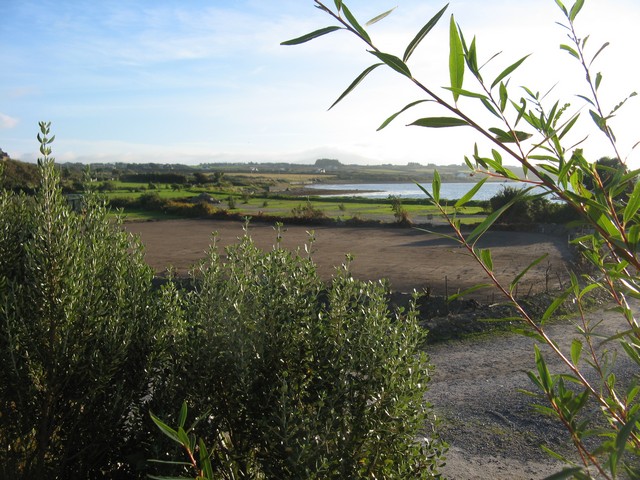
399,212
300,380
82,335
308,212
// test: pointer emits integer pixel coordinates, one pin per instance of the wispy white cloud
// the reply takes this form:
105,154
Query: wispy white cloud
7,122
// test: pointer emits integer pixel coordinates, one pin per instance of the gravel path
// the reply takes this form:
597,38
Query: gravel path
493,430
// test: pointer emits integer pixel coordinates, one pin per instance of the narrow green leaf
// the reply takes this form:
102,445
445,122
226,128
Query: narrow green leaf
598,120
598,80
472,60
456,58
184,438
633,204
164,428
355,83
621,440
182,418
551,309
569,126
518,277
467,291
205,461
605,45
543,371
439,122
393,117
562,7
354,23
311,36
570,50
489,107
510,137
504,96
488,221
338,4
470,194
576,351
379,17
466,93
393,62
508,70
586,99
423,33
435,186
485,257
576,9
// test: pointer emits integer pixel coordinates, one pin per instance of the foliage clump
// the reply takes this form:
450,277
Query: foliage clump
82,335
299,379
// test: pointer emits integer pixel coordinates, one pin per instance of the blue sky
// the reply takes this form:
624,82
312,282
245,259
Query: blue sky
207,81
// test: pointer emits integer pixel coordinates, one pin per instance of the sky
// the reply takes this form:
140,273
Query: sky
207,81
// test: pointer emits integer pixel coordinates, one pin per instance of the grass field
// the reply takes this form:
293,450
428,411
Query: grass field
262,205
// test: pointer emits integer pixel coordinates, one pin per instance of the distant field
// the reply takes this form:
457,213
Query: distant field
245,202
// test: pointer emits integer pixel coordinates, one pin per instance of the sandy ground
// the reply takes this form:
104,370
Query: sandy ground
492,429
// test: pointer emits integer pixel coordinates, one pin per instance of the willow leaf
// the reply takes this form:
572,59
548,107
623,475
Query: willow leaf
354,23
576,9
508,70
423,33
518,277
571,50
470,194
605,45
355,83
487,222
439,122
393,62
379,17
435,186
311,36
633,204
393,117
456,58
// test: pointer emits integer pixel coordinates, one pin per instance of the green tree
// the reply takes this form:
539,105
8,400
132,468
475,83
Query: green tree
534,131
83,335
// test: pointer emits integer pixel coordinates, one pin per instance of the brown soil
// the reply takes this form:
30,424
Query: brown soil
410,259
491,427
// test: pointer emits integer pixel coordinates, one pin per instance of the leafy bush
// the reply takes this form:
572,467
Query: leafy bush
399,212
308,212
82,335
299,380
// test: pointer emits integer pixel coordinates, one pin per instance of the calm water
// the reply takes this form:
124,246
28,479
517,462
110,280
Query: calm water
449,191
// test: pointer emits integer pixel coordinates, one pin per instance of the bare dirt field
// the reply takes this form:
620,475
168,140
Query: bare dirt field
492,429
410,259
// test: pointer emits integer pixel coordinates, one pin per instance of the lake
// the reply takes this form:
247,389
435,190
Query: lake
448,191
